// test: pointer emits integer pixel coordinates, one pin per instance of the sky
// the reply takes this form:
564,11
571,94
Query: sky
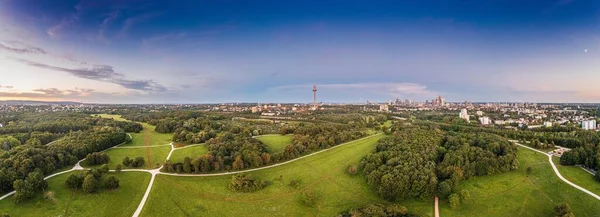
143,51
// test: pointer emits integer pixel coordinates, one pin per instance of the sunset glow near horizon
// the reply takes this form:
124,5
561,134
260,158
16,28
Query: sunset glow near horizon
274,51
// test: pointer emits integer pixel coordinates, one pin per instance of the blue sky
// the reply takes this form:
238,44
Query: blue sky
143,51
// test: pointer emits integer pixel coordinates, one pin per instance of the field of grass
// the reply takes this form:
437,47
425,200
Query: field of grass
149,137
115,117
516,194
66,202
323,173
578,176
276,142
192,152
154,156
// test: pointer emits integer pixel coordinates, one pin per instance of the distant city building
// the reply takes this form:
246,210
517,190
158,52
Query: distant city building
384,108
479,113
499,122
464,115
588,125
548,124
1,125
256,109
484,120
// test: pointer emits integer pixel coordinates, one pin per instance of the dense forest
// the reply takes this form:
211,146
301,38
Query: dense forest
76,135
437,161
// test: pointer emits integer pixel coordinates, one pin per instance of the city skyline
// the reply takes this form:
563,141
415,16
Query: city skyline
210,52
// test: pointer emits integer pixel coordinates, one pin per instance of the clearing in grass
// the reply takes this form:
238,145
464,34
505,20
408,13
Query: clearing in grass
276,142
59,200
149,137
517,194
154,156
115,117
324,174
191,151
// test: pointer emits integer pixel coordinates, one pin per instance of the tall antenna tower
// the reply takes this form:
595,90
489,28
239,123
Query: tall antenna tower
315,96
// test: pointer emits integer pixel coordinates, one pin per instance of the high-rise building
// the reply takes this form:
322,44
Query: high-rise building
384,108
588,125
463,114
484,120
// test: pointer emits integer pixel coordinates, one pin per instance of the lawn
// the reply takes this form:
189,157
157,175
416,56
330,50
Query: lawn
66,202
154,156
189,151
578,176
149,137
323,173
115,117
276,142
516,194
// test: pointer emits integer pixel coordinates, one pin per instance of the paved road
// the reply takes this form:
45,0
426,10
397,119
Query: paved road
558,173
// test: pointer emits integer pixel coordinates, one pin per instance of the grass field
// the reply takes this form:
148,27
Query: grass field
149,137
322,173
66,202
191,151
578,176
516,194
276,142
154,156
115,117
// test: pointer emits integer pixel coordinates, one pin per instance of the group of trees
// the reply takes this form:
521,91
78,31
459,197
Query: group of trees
92,180
137,162
416,162
19,162
28,187
97,158
380,210
312,137
246,183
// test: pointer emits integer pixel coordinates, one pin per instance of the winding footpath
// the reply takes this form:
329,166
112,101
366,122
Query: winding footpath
558,173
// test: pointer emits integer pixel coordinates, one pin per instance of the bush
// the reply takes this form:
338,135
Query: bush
454,200
294,183
90,184
74,181
563,210
309,198
118,168
352,170
465,196
393,210
104,168
529,170
597,176
246,183
111,183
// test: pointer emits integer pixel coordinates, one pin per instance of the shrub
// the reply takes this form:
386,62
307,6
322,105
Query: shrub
393,210
294,183
246,183
309,198
529,170
111,183
597,176
104,168
563,210
126,161
454,200
138,162
352,170
465,196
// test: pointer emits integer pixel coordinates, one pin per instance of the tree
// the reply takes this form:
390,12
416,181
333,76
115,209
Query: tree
563,210
111,183
444,188
454,200
238,164
90,184
74,181
246,183
597,176
33,142
138,162
23,191
36,179
118,168
126,161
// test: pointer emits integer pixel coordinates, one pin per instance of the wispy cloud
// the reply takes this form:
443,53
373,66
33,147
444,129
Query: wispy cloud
49,93
23,49
132,21
105,25
102,73
7,87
